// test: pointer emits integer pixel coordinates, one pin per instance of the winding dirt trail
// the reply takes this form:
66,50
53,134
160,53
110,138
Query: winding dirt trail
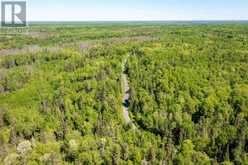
126,90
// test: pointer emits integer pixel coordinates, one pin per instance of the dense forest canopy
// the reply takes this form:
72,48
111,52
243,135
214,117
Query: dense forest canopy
61,94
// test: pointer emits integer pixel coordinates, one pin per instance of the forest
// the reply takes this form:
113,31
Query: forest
61,94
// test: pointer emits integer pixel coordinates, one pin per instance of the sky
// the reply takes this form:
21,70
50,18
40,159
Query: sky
143,10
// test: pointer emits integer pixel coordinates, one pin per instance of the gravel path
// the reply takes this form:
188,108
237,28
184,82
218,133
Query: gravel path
126,97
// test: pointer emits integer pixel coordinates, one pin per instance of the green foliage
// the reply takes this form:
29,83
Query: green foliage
189,95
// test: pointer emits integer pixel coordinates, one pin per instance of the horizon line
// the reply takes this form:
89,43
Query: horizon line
132,21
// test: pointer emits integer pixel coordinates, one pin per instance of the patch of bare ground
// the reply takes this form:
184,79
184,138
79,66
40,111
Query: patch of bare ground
39,34
138,31
27,49
81,45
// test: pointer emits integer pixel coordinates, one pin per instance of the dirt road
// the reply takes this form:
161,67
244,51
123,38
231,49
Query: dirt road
126,90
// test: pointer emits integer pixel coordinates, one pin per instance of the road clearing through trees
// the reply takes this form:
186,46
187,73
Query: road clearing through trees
126,90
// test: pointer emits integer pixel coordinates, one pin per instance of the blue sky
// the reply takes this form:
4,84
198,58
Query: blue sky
93,10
